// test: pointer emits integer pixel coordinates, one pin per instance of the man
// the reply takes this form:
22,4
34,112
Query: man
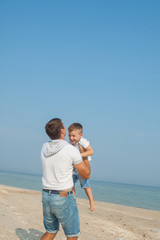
59,203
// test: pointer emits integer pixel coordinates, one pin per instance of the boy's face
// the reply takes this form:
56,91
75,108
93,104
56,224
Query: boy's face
74,136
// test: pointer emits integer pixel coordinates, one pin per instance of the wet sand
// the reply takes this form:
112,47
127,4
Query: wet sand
21,219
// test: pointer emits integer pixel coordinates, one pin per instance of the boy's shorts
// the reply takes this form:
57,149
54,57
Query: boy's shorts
56,210
83,182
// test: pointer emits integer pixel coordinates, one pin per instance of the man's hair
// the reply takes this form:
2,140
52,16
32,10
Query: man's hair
53,128
75,126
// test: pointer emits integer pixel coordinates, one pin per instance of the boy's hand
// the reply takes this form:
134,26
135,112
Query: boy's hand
86,152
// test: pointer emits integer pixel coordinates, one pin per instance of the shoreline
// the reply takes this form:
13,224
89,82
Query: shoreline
145,197
21,218
38,192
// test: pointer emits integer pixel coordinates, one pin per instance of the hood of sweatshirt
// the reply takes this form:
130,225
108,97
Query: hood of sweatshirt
52,147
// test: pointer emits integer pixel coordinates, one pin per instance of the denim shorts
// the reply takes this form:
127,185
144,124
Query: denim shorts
83,182
60,210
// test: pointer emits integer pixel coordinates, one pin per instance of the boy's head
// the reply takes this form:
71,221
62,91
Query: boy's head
75,132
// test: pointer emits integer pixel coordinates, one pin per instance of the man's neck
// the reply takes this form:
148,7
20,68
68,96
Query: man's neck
62,137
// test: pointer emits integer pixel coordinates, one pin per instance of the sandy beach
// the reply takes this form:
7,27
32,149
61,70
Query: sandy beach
21,219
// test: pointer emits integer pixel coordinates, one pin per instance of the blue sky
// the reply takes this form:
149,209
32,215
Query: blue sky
93,62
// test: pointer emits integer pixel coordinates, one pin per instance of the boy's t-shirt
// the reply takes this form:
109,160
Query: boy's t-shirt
84,143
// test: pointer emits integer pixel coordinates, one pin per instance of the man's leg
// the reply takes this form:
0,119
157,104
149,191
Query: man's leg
90,197
48,236
72,238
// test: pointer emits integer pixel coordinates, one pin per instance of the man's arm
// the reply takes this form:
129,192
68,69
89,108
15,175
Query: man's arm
84,169
86,152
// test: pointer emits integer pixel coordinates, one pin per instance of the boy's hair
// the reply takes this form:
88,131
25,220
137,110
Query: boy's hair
53,128
75,126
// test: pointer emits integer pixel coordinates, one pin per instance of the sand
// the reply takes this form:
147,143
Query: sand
21,219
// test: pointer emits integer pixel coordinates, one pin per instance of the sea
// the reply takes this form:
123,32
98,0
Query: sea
145,197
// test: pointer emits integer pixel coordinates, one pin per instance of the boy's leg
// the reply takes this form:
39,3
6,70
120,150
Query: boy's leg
86,186
74,191
90,197
75,180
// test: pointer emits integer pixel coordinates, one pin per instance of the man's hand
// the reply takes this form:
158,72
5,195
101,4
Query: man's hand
81,148
83,169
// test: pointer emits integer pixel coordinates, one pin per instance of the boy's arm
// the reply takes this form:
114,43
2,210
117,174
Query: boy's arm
86,152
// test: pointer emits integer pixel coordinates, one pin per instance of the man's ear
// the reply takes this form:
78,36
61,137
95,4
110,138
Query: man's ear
62,130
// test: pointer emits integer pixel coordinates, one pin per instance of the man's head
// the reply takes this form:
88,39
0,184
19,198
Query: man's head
55,129
75,132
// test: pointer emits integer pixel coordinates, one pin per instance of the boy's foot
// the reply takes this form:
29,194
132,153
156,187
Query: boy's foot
92,208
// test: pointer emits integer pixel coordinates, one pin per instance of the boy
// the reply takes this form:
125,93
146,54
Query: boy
75,133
